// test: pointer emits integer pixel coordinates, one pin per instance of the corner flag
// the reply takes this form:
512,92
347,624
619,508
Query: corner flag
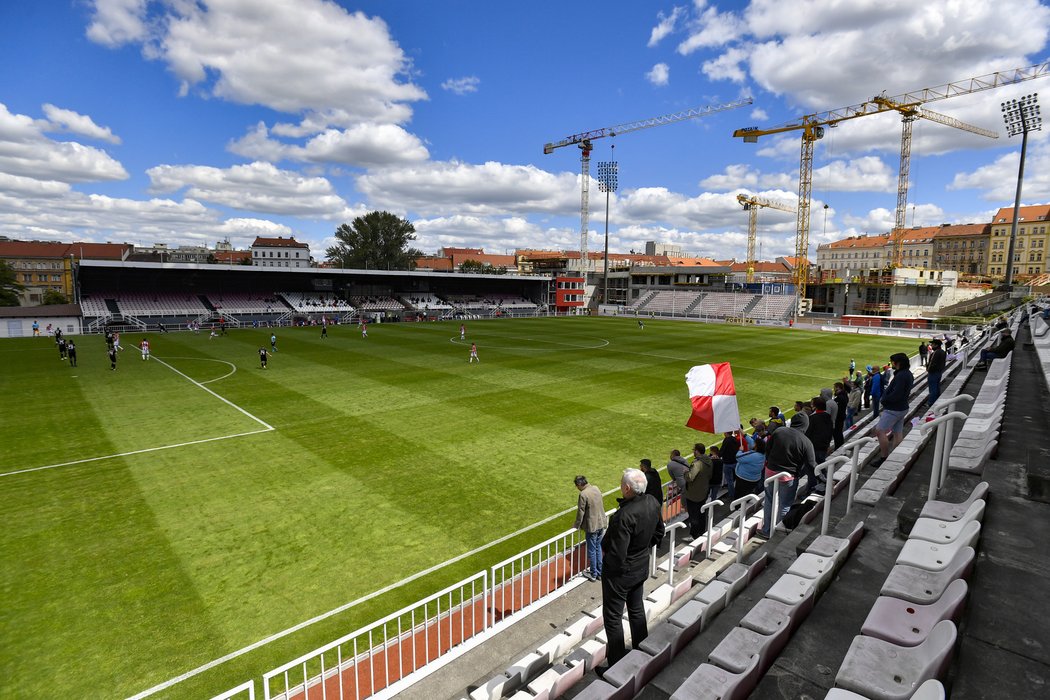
713,395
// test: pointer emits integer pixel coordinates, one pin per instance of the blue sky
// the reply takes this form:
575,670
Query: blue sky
187,122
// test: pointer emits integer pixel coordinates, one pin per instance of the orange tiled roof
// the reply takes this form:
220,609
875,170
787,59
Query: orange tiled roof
279,242
1038,212
53,249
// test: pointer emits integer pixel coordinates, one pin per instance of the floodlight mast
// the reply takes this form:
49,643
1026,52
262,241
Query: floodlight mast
584,141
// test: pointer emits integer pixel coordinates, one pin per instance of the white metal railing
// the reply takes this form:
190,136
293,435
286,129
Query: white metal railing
523,579
829,487
942,449
776,480
367,660
738,514
238,693
853,453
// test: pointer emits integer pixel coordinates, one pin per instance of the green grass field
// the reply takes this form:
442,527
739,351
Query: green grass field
387,456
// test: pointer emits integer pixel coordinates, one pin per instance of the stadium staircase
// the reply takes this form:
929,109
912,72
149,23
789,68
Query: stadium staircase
886,594
751,305
113,308
976,306
699,300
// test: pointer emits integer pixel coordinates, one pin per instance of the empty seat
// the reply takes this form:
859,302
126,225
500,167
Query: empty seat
908,624
735,651
631,672
715,595
768,616
791,589
553,682
883,671
940,510
815,567
709,682
936,557
923,586
945,531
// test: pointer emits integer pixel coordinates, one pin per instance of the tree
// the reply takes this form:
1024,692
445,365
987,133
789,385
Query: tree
10,289
471,266
378,240
53,296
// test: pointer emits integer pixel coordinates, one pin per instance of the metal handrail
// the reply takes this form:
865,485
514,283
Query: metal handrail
946,403
778,477
670,530
942,446
709,507
853,450
829,488
738,511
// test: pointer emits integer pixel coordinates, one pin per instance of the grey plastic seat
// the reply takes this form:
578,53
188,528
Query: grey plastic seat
631,672
791,589
943,531
769,616
598,690
692,617
709,682
815,567
939,510
936,557
663,643
553,682
909,624
735,651
922,586
715,595
883,671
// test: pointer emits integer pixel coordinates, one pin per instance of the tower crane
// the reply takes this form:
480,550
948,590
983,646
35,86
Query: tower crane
752,204
584,140
812,128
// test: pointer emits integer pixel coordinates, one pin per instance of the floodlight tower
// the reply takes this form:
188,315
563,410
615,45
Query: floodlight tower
1021,116
608,174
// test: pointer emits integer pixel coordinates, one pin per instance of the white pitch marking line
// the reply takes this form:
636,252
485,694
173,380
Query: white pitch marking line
266,428
346,606
210,359
135,452
220,398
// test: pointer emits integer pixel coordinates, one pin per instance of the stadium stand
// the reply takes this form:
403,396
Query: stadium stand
723,304
772,307
672,302
316,302
376,303
159,305
641,302
93,306
425,302
246,303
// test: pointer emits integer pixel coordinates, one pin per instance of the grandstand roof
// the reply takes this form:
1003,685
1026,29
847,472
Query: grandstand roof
1039,212
52,249
279,242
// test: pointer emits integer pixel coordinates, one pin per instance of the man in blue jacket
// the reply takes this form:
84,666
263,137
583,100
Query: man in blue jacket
890,429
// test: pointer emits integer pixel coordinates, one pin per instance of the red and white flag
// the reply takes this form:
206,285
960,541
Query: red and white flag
713,395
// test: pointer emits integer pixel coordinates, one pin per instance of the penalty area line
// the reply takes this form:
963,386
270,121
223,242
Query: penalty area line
135,452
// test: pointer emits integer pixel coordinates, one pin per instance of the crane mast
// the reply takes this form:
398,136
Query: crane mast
584,139
752,204
812,125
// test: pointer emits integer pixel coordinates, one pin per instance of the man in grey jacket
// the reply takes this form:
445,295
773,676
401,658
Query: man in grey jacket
590,517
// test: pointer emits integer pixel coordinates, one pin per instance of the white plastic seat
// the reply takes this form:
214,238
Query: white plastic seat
709,682
940,510
943,531
791,589
923,586
936,557
883,671
908,624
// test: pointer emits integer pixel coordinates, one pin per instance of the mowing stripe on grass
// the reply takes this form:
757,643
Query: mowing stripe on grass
346,606
266,428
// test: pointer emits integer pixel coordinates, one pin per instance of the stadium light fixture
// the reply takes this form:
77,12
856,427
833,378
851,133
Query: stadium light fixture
608,180
1020,116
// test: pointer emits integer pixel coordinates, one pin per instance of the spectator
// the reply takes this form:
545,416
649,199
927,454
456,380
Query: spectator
820,433
876,391
867,387
924,351
749,465
1003,347
590,517
841,403
934,370
890,429
634,529
698,483
715,484
789,451
776,419
730,446
654,485
829,399
677,468
853,408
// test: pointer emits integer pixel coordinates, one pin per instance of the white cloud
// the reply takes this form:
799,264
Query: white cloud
462,86
495,234
447,188
739,176
866,174
728,66
68,120
759,114
659,75
117,22
26,151
337,66
363,145
997,181
255,187
711,28
665,26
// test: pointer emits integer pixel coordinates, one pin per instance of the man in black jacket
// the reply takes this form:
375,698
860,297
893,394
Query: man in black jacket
790,451
634,529
890,429
654,485
998,351
820,432
934,369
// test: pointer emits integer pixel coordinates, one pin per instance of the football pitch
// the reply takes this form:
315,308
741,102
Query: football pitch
166,514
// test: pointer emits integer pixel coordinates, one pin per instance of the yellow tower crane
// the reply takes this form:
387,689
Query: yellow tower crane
583,140
752,204
812,128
